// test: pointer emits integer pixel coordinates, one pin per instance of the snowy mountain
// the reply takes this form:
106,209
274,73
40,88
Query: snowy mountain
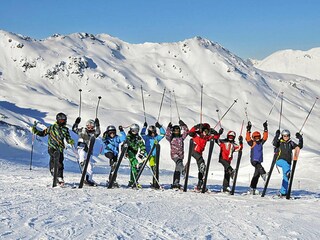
40,78
303,63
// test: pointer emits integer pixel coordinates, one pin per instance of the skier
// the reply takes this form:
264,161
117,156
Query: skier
176,138
227,148
135,146
92,128
201,134
57,133
111,151
150,139
256,155
284,147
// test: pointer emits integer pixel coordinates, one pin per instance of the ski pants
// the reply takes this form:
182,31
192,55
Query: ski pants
227,173
60,159
82,158
259,170
200,163
286,168
134,165
179,169
113,159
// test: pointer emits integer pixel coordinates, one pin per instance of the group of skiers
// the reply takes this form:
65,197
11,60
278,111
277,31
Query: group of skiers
140,145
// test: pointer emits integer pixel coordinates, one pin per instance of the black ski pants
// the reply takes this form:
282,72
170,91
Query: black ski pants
201,164
227,173
53,154
112,161
258,171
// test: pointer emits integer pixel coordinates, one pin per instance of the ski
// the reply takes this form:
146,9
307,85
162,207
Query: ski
204,186
90,150
145,162
296,155
56,156
187,166
156,177
275,158
236,173
114,174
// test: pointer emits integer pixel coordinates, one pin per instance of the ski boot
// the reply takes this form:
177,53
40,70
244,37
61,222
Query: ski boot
89,182
60,181
226,190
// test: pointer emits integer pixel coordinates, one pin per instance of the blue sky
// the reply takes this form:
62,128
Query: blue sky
248,28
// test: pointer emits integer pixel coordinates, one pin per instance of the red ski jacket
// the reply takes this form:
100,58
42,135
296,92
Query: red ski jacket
200,140
228,148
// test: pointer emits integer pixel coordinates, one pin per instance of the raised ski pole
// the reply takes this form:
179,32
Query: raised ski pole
98,106
219,118
281,110
170,107
234,102
246,111
80,90
201,96
176,104
274,103
296,154
164,90
143,106
237,165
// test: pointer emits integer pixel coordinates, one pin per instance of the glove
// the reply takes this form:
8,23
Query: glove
265,126
278,133
71,142
120,128
35,123
170,125
240,139
213,132
221,131
78,120
96,122
140,156
192,134
249,126
158,125
181,123
145,124
298,135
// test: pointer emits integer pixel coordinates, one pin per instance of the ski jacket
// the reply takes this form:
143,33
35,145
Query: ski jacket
84,135
176,143
285,148
201,140
227,149
256,152
150,141
135,143
112,144
56,136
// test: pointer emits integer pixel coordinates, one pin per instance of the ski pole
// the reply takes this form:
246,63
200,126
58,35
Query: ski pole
274,103
98,106
241,128
144,108
281,110
32,143
80,90
176,104
170,107
308,115
201,95
219,118
234,102
246,111
154,176
164,90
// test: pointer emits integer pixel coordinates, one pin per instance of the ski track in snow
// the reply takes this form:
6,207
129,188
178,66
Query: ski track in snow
31,209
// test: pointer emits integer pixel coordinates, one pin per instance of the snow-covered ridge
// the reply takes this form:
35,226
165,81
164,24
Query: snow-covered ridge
303,63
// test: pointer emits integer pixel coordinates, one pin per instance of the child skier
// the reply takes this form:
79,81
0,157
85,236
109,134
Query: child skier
201,134
227,148
135,145
176,138
57,133
150,139
111,151
256,155
92,128
284,147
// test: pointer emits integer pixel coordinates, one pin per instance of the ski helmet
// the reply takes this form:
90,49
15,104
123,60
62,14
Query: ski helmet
134,128
152,129
111,129
256,134
285,133
61,119
176,130
231,135
90,125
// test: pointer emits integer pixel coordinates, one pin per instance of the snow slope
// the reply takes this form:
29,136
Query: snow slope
40,78
303,63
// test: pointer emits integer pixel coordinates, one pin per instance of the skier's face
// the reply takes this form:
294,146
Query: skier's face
112,134
285,137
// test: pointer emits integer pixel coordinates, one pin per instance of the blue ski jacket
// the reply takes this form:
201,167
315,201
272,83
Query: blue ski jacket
112,144
149,140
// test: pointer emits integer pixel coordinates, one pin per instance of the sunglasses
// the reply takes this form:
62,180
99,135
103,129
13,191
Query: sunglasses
285,136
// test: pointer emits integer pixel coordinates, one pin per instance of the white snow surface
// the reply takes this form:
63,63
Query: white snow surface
303,63
40,78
